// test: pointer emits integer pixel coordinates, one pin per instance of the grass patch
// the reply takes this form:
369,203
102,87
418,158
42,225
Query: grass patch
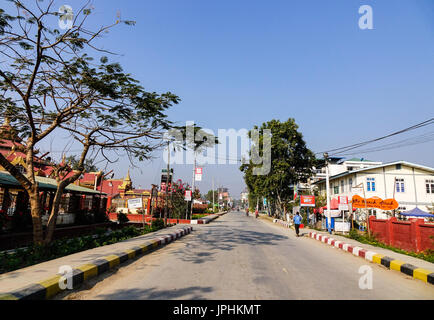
198,216
427,255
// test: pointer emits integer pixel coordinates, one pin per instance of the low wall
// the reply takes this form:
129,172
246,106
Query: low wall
139,218
414,235
16,240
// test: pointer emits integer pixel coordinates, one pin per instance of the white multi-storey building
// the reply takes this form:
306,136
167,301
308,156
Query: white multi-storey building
411,185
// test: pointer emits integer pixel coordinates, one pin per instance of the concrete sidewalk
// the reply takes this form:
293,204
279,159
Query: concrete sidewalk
386,252
38,273
406,259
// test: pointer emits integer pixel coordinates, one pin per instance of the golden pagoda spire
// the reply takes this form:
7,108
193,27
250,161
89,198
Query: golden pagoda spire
127,178
126,185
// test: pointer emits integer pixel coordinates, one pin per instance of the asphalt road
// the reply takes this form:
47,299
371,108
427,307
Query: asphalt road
238,257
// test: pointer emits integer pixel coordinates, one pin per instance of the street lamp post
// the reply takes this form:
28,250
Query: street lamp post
326,155
192,187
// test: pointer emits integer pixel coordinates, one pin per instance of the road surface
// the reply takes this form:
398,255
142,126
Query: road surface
239,257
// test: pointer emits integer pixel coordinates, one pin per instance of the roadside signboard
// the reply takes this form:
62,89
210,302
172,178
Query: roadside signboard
187,195
163,187
307,201
342,226
343,203
135,203
333,213
344,207
198,174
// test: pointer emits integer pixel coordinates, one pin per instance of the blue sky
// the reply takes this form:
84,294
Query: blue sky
239,63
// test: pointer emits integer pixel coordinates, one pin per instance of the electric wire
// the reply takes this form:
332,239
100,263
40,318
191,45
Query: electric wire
360,144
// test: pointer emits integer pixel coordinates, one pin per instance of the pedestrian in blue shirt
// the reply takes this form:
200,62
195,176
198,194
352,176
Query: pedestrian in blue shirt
297,222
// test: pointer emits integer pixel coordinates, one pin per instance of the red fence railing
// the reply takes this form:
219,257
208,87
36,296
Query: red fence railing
414,235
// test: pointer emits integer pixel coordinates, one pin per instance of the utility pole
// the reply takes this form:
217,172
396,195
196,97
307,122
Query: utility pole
366,208
167,183
394,189
326,155
152,199
212,194
192,188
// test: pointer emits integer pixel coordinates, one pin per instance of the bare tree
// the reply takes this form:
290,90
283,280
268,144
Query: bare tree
51,85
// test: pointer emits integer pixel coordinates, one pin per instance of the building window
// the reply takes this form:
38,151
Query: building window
400,185
336,189
370,184
429,186
398,166
350,183
342,186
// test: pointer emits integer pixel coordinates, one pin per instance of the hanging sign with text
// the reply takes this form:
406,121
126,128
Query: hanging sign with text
375,202
135,203
343,203
307,201
187,195
198,174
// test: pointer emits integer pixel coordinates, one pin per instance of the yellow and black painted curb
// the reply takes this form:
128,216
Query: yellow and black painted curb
48,288
390,263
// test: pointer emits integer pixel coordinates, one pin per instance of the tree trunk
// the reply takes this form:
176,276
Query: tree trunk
53,216
36,212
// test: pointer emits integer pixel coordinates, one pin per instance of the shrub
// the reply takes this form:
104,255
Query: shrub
353,234
140,211
122,218
158,224
198,216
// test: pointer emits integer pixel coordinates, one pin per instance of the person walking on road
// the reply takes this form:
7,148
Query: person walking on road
297,222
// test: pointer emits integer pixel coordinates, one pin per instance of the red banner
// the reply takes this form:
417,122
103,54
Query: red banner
307,201
374,202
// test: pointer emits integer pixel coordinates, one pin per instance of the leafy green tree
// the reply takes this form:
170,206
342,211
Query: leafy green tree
178,204
209,196
88,164
52,87
291,162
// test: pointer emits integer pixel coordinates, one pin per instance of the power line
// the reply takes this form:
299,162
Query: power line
395,145
360,144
